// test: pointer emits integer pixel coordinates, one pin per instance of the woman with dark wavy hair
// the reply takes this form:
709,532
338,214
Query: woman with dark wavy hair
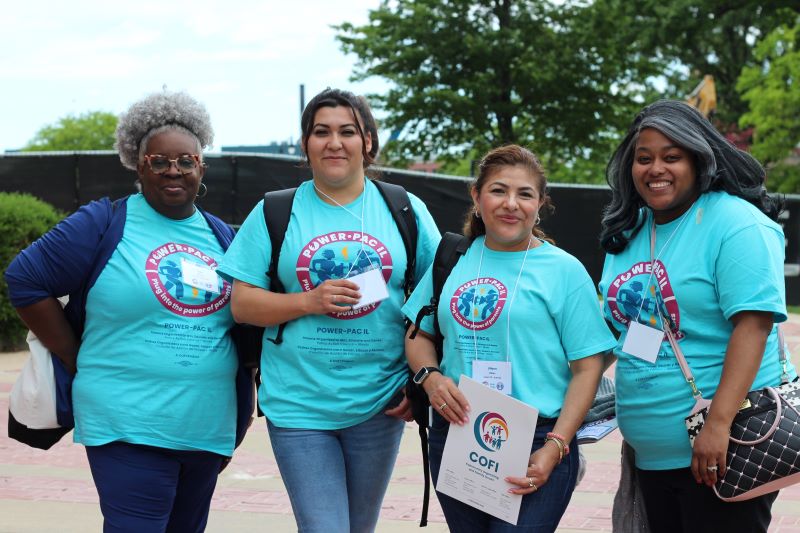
693,246
549,350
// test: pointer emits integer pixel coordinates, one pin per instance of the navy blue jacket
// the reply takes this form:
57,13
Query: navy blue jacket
68,260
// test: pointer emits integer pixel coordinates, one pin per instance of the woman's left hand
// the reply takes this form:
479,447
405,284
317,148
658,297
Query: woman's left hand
709,453
402,410
742,359
540,465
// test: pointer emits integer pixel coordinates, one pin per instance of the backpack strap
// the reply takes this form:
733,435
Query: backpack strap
277,210
426,474
396,198
450,249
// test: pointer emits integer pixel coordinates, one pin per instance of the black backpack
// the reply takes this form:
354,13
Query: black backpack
451,248
277,211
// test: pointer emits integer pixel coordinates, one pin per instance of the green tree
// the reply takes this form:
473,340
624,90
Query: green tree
469,75
772,90
23,219
691,38
93,130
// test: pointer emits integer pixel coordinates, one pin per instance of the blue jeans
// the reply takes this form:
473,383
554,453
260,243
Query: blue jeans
336,479
144,489
540,512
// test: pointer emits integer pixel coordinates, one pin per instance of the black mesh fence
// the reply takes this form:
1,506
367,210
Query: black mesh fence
237,181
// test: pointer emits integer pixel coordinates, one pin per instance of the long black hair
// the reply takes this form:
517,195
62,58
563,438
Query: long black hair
719,166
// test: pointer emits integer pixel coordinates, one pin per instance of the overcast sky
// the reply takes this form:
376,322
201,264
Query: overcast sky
244,59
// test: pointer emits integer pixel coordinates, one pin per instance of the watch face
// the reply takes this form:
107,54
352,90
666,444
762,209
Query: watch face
419,377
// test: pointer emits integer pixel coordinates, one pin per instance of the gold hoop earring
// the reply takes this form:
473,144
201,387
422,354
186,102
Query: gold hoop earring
204,191
538,219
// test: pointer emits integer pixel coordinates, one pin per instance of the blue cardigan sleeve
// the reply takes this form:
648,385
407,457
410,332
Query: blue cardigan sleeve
61,260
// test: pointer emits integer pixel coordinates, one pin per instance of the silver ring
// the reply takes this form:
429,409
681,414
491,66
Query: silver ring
333,299
530,482
712,468
443,406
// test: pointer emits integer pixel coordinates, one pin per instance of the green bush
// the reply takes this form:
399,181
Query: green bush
23,219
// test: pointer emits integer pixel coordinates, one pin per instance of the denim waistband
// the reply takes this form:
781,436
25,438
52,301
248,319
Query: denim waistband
542,421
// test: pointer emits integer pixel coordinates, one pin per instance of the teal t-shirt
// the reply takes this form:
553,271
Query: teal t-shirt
332,371
555,318
726,257
156,365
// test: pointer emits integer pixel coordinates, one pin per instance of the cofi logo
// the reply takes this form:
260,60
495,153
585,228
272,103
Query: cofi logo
491,430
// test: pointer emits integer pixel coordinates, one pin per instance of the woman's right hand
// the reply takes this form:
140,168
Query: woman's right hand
332,296
446,399
46,319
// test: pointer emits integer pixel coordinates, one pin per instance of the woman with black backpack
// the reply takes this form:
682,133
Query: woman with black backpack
548,353
334,373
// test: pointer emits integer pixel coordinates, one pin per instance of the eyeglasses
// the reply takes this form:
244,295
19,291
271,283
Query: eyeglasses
160,164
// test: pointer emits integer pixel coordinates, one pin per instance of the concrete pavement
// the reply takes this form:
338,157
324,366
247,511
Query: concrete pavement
53,491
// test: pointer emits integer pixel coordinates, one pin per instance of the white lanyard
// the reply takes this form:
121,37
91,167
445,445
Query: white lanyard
653,260
510,302
359,218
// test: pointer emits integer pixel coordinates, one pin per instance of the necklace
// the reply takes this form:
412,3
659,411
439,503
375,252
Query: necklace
653,260
359,218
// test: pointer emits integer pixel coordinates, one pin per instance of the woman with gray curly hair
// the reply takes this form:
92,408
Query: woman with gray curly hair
146,332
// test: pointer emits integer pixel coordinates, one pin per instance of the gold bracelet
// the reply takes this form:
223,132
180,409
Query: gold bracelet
560,447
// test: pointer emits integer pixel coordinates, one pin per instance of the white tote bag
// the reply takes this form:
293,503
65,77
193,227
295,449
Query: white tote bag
33,396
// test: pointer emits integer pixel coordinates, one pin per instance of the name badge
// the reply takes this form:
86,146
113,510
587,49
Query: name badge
494,374
200,276
372,287
643,342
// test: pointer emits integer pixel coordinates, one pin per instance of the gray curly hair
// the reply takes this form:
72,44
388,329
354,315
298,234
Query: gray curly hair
156,113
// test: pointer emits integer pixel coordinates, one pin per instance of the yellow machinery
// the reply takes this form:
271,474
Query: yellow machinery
704,96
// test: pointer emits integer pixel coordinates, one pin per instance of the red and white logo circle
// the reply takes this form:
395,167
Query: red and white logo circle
628,297
477,304
339,255
163,269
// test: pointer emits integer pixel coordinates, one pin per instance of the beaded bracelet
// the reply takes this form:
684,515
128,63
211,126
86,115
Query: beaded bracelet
561,440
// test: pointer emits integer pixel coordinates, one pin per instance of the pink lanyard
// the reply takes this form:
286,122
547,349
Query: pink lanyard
676,349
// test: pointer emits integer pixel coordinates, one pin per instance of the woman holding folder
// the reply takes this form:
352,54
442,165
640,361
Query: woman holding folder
517,303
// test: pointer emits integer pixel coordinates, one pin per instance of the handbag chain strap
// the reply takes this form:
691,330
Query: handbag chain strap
687,372
782,353
667,327
676,349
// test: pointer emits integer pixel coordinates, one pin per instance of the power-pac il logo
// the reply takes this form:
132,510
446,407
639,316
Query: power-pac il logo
477,304
339,255
165,277
628,297
491,430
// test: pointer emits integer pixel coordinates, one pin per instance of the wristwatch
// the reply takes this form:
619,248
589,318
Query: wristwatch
423,373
